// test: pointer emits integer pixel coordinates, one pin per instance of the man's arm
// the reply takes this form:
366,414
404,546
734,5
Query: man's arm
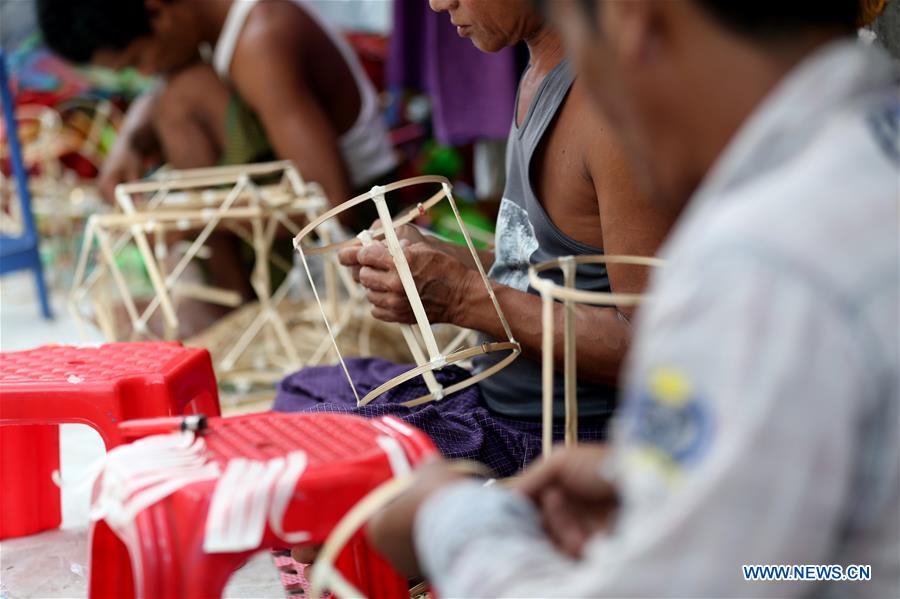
269,75
135,145
631,223
730,451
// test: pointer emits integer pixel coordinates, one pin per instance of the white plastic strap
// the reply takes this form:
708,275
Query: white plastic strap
140,474
398,425
282,493
237,516
395,454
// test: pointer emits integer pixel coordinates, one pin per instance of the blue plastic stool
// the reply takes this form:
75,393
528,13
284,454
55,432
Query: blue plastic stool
18,253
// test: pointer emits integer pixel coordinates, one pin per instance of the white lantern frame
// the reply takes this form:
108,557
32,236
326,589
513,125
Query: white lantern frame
566,293
419,337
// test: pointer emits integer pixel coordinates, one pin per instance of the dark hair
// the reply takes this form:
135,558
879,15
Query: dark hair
76,29
763,19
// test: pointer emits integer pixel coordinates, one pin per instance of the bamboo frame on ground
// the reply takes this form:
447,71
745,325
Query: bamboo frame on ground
204,200
432,358
569,296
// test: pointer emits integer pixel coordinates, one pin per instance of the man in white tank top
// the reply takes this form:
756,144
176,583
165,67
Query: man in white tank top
282,84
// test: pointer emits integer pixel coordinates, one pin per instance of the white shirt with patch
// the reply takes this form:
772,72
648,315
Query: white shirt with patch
760,423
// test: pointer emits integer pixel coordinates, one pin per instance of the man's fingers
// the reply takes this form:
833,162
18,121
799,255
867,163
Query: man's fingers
538,477
349,256
390,307
376,256
379,280
569,523
386,300
386,315
578,471
107,185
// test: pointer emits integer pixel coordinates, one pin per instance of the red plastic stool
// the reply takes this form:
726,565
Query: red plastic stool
99,386
159,549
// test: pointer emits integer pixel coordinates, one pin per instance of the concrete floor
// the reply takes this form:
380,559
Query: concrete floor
54,563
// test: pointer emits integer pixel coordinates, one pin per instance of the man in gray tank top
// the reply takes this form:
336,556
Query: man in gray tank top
569,191
526,235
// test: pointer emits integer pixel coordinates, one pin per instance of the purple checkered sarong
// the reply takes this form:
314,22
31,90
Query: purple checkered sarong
461,425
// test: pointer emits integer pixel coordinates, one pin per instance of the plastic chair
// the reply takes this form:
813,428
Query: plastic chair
21,252
159,552
100,386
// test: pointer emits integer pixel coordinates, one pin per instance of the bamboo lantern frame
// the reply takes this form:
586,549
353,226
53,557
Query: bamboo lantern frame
201,201
570,296
430,357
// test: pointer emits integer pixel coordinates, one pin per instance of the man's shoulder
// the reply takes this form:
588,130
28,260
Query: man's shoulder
273,29
270,45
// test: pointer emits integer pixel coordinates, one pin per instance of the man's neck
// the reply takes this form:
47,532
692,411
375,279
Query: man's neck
730,99
545,50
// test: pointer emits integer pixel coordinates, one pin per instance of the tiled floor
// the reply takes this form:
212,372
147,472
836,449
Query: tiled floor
54,564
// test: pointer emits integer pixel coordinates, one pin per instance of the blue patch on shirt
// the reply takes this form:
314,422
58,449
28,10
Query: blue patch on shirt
667,417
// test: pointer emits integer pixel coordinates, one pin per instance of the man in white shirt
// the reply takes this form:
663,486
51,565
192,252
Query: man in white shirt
760,418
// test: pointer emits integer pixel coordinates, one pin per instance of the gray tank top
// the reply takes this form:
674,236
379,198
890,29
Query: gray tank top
526,235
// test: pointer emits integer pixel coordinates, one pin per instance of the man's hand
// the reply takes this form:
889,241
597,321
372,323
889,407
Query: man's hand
440,278
123,164
391,530
576,500
349,256
135,146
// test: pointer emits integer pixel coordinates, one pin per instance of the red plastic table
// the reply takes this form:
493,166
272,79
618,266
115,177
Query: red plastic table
100,386
159,552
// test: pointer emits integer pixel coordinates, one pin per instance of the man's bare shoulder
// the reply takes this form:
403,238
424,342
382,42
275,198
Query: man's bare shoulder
274,31
270,48
592,134
565,142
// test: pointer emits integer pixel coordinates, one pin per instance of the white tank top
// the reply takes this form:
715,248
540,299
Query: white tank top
366,148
